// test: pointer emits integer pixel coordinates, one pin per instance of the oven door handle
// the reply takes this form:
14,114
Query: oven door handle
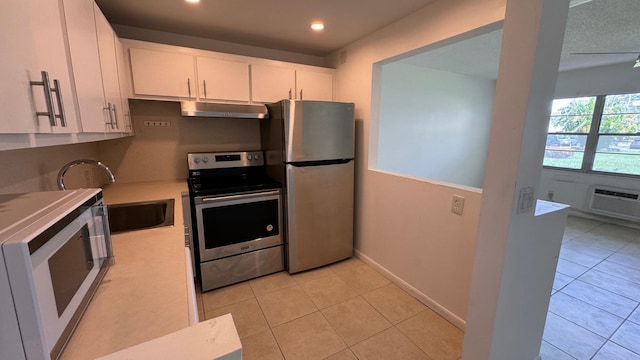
239,196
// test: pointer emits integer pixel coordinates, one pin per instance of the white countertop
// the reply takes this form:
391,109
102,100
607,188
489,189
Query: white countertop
212,339
545,207
144,294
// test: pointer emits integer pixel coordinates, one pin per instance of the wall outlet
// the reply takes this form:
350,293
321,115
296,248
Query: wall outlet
457,204
157,123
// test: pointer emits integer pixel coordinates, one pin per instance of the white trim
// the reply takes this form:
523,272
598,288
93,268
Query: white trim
423,298
430,181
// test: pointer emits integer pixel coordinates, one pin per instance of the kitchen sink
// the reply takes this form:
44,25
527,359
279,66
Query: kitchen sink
140,215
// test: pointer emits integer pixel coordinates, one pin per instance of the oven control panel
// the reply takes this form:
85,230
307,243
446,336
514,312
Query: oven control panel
201,161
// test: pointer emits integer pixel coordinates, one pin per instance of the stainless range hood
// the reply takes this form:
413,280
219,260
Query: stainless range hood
222,110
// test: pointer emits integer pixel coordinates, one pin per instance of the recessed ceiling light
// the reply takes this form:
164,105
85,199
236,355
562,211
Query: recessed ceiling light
317,25
192,1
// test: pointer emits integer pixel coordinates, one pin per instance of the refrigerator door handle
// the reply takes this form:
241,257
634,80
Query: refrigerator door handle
319,162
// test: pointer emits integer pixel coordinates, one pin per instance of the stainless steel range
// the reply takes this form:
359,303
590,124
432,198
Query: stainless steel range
236,210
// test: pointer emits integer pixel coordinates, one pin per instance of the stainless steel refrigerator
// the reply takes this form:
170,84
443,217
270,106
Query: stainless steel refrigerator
309,148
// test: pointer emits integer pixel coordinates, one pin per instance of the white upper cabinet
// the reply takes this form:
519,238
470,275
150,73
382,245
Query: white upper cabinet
314,85
125,86
32,41
272,83
92,44
173,73
109,70
85,59
222,80
159,73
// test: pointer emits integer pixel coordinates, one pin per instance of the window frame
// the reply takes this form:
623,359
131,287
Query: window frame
591,145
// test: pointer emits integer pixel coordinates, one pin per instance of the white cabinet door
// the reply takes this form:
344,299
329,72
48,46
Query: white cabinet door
314,85
85,59
271,83
109,71
160,73
32,41
123,77
222,79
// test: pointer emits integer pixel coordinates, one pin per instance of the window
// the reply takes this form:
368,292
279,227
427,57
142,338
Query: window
595,134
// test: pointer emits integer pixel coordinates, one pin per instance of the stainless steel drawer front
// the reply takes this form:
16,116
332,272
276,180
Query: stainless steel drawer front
234,269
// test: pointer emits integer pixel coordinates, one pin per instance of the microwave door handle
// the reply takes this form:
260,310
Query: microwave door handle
86,244
101,211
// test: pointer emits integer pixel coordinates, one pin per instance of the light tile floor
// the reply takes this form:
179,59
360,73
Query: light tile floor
341,311
594,312
349,311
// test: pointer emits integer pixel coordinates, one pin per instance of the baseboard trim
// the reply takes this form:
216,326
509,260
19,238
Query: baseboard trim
426,300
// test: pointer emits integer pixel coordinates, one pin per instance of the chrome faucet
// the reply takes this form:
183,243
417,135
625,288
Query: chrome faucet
68,166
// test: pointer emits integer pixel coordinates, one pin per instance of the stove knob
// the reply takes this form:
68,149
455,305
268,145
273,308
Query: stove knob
256,156
197,160
205,159
249,157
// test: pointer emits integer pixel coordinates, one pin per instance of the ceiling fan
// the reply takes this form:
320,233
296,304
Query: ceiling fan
635,65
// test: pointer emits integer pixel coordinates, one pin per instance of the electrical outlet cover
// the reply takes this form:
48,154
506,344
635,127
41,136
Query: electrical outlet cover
457,204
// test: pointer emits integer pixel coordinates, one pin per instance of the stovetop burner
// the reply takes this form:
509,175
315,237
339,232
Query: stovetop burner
227,173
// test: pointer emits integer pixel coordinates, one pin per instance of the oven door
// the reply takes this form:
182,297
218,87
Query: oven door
234,224
54,275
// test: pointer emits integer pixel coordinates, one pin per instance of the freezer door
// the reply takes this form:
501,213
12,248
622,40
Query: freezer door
318,130
320,215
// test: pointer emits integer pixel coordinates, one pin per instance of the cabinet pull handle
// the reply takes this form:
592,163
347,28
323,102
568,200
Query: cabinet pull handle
115,117
62,116
300,94
108,108
204,82
189,86
127,117
48,97
289,93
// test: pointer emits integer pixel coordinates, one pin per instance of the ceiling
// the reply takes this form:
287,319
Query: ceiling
275,24
595,26
603,26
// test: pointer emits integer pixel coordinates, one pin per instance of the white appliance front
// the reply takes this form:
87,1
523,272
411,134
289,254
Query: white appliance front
52,263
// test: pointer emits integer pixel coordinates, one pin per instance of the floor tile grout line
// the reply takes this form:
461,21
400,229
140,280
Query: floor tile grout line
597,307
618,263
336,331
562,351
616,276
596,246
413,342
580,326
599,348
624,347
625,296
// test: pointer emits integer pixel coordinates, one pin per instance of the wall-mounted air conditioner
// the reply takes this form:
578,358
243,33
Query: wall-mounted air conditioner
615,202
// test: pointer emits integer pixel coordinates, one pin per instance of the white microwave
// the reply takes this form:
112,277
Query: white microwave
55,248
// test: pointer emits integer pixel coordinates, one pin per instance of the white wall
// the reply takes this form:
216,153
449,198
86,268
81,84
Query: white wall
434,124
405,225
572,187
